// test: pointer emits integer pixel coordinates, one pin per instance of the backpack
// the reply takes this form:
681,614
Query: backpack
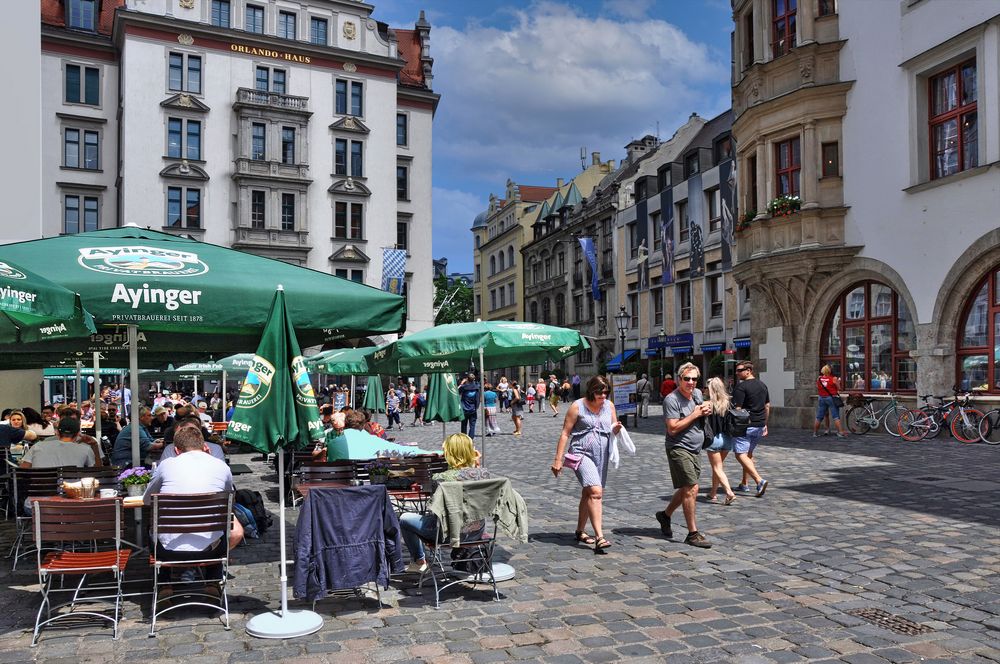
421,399
737,421
254,502
245,517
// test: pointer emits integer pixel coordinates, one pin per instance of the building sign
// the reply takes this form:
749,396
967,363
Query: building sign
686,339
269,53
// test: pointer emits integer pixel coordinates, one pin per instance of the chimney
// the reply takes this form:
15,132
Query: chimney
595,158
611,164
559,182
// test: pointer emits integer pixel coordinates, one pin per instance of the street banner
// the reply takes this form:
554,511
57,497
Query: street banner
624,391
667,246
727,194
393,270
590,251
695,209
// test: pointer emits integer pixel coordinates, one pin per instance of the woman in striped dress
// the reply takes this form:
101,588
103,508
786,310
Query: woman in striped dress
587,429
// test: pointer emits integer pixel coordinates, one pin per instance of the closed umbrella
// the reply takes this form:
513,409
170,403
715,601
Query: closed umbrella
374,398
277,410
443,402
32,308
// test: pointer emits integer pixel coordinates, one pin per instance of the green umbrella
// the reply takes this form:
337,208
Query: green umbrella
342,361
277,410
374,397
443,403
32,308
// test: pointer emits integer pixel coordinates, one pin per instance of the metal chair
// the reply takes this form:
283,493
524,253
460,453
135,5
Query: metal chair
96,522
335,472
28,483
106,475
179,514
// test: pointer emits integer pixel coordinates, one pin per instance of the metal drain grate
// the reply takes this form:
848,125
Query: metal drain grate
930,478
888,621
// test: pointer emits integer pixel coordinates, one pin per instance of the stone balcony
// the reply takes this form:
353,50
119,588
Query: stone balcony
271,241
251,98
770,237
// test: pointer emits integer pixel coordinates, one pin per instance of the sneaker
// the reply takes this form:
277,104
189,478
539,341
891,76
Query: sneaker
665,524
826,433
816,435
743,487
843,435
698,540
416,568
761,488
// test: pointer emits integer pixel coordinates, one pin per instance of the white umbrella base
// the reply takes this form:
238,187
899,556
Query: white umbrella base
288,626
501,572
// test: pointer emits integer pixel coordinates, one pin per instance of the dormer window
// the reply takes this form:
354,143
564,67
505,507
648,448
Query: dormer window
81,14
691,165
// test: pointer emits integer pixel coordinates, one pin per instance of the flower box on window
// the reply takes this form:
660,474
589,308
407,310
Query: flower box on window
783,206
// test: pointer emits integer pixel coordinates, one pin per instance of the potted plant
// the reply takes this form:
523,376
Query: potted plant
784,206
378,471
135,480
746,220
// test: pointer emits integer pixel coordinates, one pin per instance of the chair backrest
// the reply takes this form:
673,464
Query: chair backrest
472,493
422,466
337,471
180,513
361,469
106,475
61,520
35,482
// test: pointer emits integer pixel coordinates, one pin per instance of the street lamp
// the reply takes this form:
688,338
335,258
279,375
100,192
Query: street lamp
662,339
622,320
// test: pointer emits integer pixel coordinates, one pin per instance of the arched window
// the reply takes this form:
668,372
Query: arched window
978,340
510,256
546,312
500,256
493,265
560,309
533,308
868,338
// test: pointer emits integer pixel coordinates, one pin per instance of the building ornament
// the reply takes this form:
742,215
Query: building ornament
350,30
350,66
186,4
185,39
349,123
184,100
805,69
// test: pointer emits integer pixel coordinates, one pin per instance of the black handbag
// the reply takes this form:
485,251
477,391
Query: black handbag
837,400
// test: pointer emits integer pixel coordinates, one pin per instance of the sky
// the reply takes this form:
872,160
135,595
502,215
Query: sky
525,85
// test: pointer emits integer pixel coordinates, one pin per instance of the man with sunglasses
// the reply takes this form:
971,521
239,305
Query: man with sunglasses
751,394
683,410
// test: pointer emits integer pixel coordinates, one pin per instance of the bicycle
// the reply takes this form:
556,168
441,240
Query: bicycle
989,427
961,419
862,418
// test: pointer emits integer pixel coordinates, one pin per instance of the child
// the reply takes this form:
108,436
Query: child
531,399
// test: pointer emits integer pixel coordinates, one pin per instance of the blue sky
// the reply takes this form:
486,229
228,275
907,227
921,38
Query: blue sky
525,85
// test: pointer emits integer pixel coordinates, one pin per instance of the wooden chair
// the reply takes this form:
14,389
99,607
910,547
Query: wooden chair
106,475
29,483
179,514
315,472
98,522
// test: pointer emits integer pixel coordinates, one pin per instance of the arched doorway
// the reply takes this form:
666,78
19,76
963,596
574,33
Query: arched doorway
978,338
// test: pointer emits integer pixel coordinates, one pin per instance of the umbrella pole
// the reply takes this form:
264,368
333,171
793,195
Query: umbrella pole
482,406
133,382
281,530
97,397
350,402
79,385
223,403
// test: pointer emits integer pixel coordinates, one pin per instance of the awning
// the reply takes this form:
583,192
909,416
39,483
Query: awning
616,362
680,350
711,348
741,343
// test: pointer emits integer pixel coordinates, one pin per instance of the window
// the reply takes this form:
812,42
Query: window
713,202
546,312
560,261
258,209
254,19
76,220
85,156
752,184
683,223
691,165
633,305
268,79
184,73
748,45
357,276
788,164
258,141
81,14
493,265
978,344
345,162
183,138
714,285
640,190
183,207
831,160
633,240
286,25
493,299
349,97
954,127
288,145
500,260
533,308
867,340
723,149
403,235
577,308
510,294
656,305
503,297
402,129
348,221
684,301
510,256
318,31
478,273
402,183
655,220
288,212
220,13
827,7
560,309
85,91
663,178
782,26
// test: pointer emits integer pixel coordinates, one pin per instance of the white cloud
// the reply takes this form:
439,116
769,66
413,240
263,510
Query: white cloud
454,211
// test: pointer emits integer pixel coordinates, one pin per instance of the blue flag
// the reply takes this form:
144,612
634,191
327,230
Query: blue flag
393,270
590,251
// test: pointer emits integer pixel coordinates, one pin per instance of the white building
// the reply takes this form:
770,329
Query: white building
295,130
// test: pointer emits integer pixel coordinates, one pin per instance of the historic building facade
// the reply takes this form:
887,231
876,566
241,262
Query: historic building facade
882,119
298,131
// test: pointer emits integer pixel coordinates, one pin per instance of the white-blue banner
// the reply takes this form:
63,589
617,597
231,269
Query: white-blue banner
393,270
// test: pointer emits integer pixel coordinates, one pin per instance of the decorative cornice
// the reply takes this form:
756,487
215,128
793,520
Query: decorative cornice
351,254
349,187
183,101
185,170
349,123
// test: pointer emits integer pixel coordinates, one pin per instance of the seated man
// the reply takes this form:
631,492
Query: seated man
354,443
206,419
121,455
189,422
161,422
82,438
192,470
61,451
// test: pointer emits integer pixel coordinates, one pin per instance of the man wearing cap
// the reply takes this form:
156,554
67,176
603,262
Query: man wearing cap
64,451
206,419
161,422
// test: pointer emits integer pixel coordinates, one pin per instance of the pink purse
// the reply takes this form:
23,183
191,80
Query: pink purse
572,460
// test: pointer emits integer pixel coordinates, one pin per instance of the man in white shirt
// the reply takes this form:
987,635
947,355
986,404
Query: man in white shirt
193,470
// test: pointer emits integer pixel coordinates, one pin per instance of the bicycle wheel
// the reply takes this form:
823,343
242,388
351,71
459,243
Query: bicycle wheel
914,425
965,425
858,420
891,422
989,427
937,424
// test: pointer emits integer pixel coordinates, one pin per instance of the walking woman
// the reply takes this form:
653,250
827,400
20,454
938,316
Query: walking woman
722,444
828,387
516,407
588,427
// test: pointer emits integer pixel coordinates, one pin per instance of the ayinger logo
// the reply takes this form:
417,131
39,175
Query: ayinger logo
142,261
303,388
11,272
257,385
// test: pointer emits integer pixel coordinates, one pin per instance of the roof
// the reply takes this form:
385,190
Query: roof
536,194
480,220
54,13
410,50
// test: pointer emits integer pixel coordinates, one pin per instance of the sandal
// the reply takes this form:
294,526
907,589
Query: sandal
730,499
601,545
584,538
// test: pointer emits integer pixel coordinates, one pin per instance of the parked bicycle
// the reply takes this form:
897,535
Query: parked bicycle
956,415
989,427
863,417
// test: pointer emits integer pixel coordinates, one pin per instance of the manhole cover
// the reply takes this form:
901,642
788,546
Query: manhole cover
929,478
888,621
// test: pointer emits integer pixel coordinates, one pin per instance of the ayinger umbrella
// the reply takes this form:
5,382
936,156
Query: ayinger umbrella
277,410
32,308
374,397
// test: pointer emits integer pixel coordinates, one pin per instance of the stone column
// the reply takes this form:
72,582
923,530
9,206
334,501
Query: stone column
763,177
805,21
809,176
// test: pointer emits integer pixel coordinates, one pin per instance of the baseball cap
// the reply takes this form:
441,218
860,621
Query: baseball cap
158,410
68,425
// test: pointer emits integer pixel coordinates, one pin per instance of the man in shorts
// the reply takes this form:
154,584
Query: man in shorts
683,409
751,394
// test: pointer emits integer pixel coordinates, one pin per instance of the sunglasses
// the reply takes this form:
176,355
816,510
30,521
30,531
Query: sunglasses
604,392
689,379
741,369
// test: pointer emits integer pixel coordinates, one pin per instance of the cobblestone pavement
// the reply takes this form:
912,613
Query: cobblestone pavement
865,523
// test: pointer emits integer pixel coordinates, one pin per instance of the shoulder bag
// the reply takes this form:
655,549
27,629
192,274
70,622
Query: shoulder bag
837,400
